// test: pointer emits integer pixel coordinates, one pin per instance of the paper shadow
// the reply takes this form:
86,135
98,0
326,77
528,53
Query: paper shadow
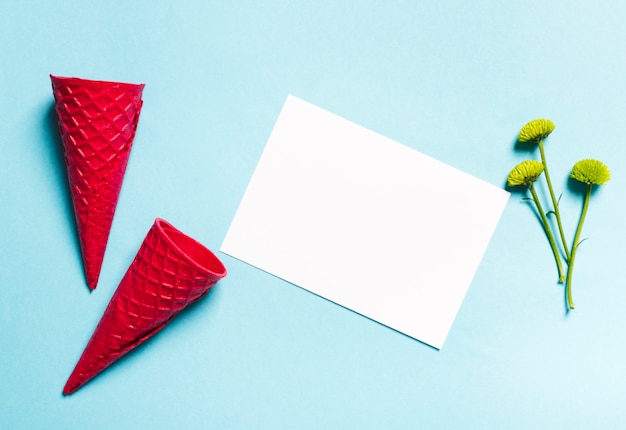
53,145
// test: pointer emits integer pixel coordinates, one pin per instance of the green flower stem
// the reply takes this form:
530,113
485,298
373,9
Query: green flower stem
570,268
557,212
548,231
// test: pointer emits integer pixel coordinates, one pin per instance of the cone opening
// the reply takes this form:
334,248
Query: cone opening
95,83
197,253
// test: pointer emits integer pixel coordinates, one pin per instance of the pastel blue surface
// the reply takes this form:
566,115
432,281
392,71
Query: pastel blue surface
453,79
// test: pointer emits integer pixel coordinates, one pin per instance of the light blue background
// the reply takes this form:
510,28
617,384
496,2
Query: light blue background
453,79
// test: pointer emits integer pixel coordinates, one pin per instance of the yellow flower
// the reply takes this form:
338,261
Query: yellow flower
592,172
536,130
525,173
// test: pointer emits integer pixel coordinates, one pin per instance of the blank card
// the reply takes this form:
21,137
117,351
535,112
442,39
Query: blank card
365,222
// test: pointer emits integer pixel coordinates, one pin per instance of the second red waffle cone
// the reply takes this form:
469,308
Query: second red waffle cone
170,272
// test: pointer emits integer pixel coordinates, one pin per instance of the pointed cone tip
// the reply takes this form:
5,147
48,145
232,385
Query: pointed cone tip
70,386
92,271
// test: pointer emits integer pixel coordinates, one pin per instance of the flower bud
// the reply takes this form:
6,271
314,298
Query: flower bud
592,172
536,130
525,173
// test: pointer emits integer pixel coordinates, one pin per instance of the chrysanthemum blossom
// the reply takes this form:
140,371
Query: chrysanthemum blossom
525,173
592,172
536,130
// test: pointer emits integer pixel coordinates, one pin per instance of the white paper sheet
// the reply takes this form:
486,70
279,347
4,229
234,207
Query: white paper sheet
365,222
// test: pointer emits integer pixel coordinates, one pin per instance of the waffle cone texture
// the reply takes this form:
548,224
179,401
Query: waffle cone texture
97,122
170,272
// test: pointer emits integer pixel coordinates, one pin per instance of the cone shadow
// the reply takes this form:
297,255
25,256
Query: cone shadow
54,146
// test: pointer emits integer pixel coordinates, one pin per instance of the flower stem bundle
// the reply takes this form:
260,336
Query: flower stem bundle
525,174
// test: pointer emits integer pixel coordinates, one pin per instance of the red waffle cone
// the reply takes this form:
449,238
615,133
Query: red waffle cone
97,121
170,272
